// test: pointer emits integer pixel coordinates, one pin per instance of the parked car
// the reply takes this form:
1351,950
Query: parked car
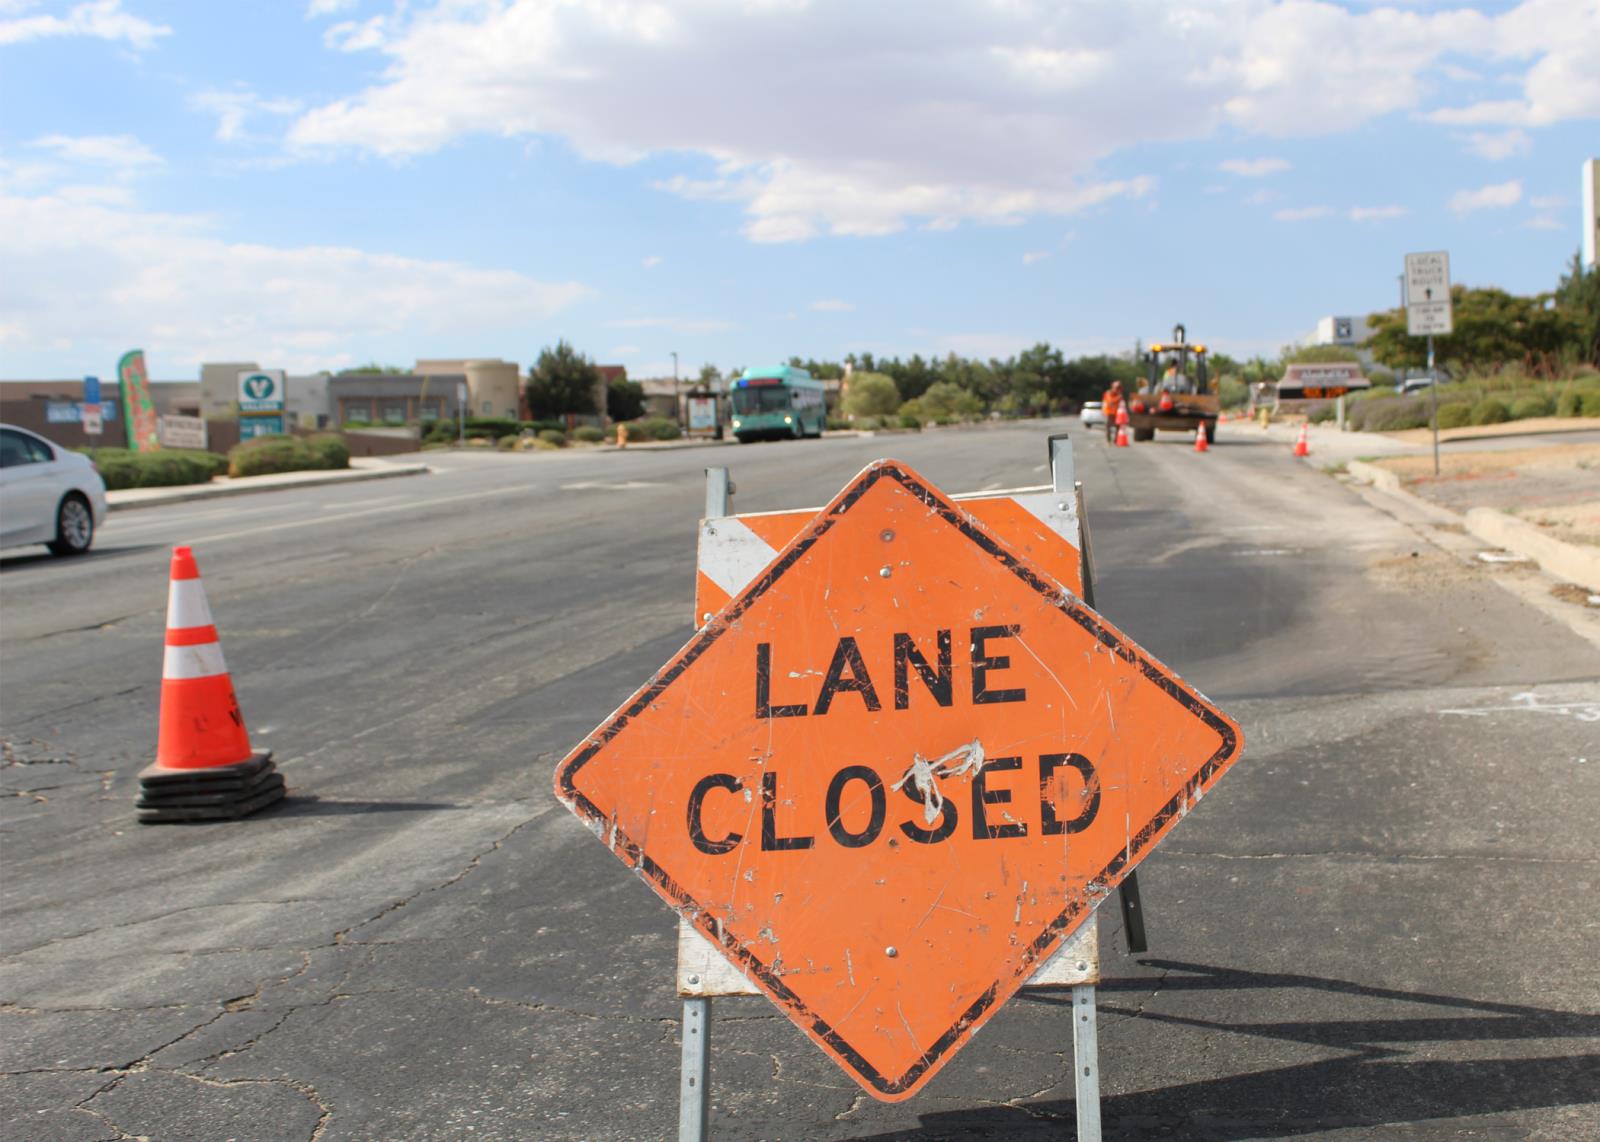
48,494
1092,413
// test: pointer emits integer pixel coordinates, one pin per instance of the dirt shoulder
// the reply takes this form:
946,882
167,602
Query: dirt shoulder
1555,487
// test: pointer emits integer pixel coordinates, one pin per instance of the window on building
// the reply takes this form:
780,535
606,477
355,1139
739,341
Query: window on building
394,412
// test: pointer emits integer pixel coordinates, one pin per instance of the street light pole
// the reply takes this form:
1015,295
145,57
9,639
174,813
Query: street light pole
677,402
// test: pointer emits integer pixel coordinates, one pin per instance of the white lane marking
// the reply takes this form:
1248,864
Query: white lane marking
1528,702
409,505
597,486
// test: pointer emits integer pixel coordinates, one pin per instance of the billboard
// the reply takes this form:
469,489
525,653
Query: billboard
142,428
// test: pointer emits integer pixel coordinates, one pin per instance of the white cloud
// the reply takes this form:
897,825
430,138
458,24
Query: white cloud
327,7
651,261
1562,38
985,111
1547,201
831,305
121,152
1032,256
1301,213
1543,222
1377,213
1253,168
356,36
98,19
172,284
234,109
1497,145
1488,197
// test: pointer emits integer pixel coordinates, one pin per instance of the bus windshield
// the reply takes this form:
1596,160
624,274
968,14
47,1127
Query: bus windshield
767,398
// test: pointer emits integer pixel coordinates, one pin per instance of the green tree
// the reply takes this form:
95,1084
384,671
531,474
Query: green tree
624,399
1578,295
710,377
943,398
1311,355
561,381
871,394
1492,327
375,367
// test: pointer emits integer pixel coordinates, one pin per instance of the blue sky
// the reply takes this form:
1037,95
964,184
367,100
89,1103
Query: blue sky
320,183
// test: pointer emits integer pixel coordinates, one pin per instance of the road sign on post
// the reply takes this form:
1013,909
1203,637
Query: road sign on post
1428,311
894,773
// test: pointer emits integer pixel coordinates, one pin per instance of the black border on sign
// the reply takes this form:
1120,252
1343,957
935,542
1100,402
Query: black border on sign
1109,876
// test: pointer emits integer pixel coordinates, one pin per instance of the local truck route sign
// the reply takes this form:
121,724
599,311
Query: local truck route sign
894,773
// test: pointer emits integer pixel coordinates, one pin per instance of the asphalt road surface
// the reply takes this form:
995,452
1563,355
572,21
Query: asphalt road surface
1383,922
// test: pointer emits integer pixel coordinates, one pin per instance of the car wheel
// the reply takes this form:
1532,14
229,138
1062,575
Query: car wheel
74,527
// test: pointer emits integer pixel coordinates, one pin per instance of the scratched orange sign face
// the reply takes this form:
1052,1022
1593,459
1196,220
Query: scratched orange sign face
894,773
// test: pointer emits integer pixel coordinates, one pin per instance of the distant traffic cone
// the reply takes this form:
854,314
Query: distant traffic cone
1122,414
1122,436
1165,404
204,767
1200,443
1302,446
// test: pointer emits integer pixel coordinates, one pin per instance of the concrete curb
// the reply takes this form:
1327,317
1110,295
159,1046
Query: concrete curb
1567,561
240,487
1564,560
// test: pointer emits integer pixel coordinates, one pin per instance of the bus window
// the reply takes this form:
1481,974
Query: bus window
747,402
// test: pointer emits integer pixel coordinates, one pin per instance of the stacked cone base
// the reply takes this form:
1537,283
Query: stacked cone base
219,793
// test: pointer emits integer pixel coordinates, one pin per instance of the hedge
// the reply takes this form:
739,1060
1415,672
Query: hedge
167,467
588,434
1490,411
1532,405
268,454
1456,414
653,428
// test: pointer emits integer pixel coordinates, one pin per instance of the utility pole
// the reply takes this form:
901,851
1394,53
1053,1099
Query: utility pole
677,402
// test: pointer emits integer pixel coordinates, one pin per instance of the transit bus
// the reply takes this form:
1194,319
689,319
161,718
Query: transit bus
777,402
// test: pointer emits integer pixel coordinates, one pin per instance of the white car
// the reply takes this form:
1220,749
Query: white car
1092,413
48,494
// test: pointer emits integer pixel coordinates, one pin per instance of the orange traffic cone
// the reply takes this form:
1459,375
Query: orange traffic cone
1200,443
1122,436
1302,446
204,767
1122,414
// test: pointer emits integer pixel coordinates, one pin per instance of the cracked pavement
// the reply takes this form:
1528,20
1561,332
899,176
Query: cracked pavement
1382,921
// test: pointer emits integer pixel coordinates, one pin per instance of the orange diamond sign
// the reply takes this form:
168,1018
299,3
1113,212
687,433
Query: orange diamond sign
894,774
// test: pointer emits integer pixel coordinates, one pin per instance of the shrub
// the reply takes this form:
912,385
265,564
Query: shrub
1456,414
168,467
653,428
588,434
837,423
491,427
553,436
1232,392
1321,413
508,443
1490,411
331,450
1389,414
1569,403
906,420
537,426
1531,405
1591,403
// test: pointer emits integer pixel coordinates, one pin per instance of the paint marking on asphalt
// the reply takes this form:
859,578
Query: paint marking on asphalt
598,486
409,505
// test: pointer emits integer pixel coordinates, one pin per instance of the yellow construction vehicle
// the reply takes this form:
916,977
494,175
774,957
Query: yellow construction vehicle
1176,394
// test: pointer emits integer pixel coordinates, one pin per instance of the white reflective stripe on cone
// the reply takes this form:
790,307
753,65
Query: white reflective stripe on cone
201,661
186,605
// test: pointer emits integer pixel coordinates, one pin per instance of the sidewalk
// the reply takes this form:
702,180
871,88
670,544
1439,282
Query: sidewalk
361,468
1472,494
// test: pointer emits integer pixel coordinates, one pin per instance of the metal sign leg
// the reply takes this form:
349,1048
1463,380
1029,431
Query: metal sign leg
1086,1063
694,1079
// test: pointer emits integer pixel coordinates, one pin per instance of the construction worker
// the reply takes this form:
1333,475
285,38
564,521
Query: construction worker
1111,402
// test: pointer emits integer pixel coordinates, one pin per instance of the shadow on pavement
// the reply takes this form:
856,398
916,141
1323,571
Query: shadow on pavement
1379,1084
30,558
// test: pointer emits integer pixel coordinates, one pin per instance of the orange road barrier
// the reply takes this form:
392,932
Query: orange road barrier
1200,444
1302,446
204,767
